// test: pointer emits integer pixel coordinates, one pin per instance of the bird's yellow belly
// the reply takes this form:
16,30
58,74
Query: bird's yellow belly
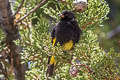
68,45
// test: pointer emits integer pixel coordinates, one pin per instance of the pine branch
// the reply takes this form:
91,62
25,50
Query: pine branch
21,5
33,10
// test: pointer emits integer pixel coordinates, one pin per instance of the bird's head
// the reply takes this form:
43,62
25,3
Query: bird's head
67,15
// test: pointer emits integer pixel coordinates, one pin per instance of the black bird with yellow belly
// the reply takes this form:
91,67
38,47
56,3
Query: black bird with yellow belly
67,33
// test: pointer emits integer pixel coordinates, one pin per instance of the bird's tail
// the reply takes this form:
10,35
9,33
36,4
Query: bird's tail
51,66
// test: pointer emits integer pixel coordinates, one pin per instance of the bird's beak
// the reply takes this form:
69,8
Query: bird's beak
61,15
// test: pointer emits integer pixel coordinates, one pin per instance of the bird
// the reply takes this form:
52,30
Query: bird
67,33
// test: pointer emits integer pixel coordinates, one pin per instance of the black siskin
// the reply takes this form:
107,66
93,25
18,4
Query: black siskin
67,33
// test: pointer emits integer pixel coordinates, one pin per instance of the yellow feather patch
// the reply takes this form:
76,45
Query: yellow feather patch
54,41
68,45
52,60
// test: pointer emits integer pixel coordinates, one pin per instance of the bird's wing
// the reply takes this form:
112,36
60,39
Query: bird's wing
53,32
53,36
51,59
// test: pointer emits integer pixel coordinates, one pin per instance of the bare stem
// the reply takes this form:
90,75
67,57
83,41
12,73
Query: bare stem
21,5
33,10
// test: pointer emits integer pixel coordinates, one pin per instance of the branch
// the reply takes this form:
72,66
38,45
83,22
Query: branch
87,67
3,69
89,23
19,7
38,6
89,70
11,32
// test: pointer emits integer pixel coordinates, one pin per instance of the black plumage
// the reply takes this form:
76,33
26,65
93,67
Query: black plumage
65,31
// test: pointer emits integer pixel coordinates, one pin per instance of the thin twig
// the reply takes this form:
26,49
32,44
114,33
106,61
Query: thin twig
4,70
87,67
1,58
21,5
89,70
89,23
38,6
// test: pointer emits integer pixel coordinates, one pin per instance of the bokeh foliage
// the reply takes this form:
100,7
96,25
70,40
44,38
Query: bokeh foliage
36,43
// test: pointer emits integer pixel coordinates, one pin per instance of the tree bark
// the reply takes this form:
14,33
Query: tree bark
12,33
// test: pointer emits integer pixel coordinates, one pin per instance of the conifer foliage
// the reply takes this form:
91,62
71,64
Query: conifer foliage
87,61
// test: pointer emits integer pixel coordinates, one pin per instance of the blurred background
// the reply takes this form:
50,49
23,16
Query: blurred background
109,32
